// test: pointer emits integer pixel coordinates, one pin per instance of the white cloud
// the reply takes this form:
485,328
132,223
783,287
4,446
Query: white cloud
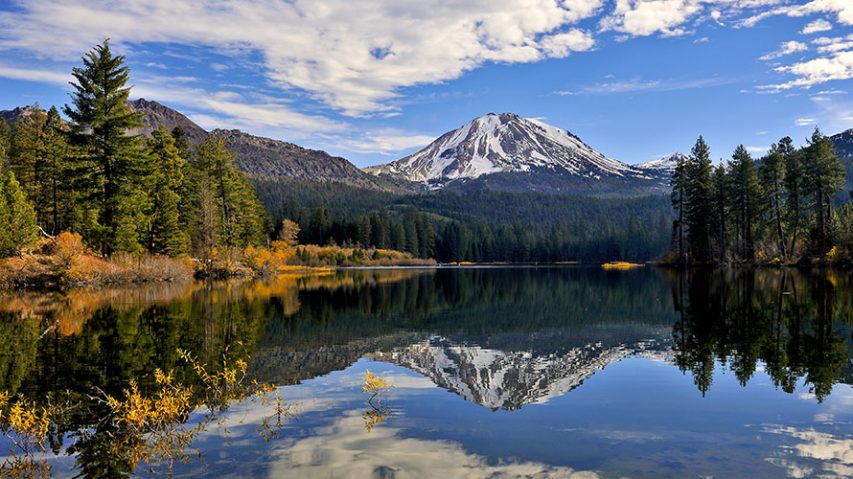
227,109
384,141
819,70
785,48
833,44
639,85
757,150
842,9
561,44
648,17
807,449
817,26
326,48
835,62
344,448
805,121
34,74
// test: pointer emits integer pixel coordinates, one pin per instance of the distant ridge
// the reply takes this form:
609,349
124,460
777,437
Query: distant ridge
258,155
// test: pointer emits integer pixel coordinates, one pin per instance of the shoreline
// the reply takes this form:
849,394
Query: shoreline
127,280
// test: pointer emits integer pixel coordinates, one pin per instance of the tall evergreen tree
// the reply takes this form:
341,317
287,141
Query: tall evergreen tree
678,182
26,155
772,175
59,190
794,210
719,217
181,142
166,235
746,201
238,217
823,177
5,134
38,156
112,162
698,203
16,215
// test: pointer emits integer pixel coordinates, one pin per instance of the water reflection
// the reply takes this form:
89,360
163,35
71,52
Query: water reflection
798,326
504,340
530,333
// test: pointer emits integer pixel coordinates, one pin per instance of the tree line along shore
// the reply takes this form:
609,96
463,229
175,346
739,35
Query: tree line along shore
786,208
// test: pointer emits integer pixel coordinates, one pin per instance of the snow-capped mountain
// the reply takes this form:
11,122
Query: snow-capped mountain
508,152
664,164
509,379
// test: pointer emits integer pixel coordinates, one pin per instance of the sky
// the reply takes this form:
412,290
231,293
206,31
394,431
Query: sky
375,80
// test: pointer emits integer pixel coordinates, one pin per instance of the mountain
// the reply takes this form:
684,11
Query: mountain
843,143
13,115
508,380
261,156
666,164
255,155
508,152
157,114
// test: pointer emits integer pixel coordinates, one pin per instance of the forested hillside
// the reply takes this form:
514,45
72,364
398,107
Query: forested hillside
475,226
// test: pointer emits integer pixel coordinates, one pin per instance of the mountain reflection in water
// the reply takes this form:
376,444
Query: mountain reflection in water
502,339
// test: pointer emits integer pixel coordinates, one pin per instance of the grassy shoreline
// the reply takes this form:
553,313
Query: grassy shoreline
64,261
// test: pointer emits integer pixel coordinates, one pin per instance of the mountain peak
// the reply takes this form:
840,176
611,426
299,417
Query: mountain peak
502,143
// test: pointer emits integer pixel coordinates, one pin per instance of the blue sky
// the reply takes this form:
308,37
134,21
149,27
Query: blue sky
377,79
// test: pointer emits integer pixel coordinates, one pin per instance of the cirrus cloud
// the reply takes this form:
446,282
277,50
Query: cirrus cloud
784,49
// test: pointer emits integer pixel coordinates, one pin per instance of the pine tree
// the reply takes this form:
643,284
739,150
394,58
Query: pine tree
181,142
824,176
5,134
678,183
38,156
698,201
426,237
59,190
746,199
112,163
719,223
410,225
365,230
772,175
793,191
17,216
223,199
26,155
166,235
319,226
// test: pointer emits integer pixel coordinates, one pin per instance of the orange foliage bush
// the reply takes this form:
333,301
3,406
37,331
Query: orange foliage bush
65,260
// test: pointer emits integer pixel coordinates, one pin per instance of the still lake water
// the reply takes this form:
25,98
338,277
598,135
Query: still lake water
498,372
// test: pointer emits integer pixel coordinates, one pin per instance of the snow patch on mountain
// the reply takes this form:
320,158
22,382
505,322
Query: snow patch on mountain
501,143
510,379
665,164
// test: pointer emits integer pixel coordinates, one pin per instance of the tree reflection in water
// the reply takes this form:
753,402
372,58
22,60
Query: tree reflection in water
84,344
796,325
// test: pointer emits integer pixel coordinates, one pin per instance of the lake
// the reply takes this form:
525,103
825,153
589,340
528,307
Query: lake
560,372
